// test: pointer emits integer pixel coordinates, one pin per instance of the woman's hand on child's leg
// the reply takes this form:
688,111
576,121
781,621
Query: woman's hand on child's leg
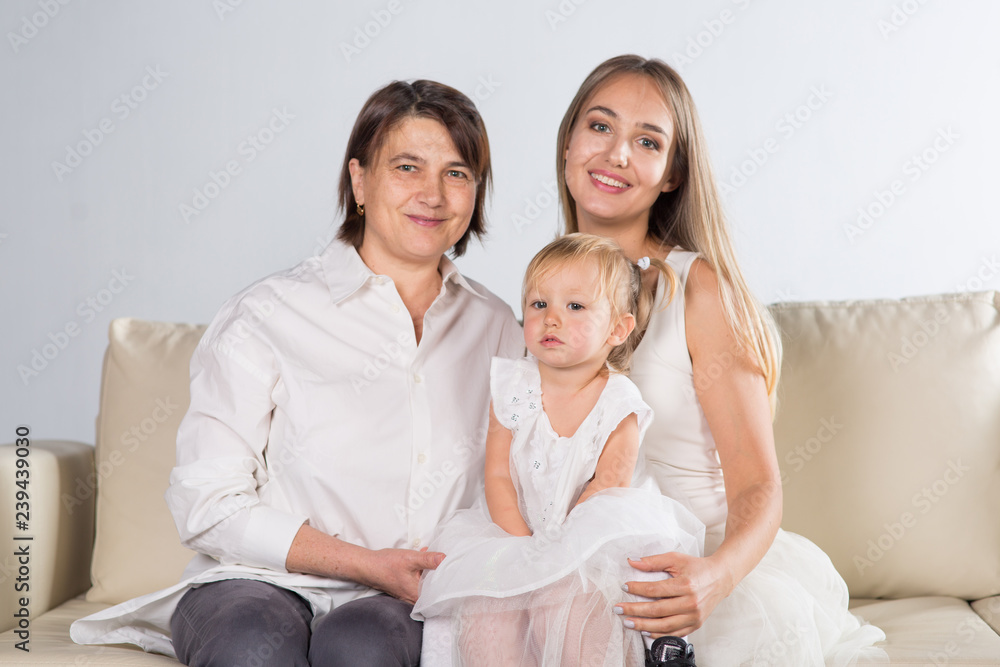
680,603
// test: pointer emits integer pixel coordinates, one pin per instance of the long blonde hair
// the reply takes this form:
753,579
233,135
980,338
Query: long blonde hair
691,216
618,280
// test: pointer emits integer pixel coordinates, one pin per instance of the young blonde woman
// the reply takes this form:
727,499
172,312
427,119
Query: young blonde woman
632,165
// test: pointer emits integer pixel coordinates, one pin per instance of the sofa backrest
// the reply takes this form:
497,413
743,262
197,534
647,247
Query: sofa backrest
888,439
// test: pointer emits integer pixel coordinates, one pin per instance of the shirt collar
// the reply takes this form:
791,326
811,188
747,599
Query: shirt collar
345,272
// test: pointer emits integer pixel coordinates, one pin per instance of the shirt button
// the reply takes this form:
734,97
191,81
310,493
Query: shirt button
394,307
422,458
418,378
379,280
416,543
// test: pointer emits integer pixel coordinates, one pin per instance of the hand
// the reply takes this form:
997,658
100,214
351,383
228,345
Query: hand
397,571
682,602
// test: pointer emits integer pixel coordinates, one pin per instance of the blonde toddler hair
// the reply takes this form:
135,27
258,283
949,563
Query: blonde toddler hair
618,280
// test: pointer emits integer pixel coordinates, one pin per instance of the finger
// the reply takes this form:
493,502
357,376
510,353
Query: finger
655,609
427,560
660,562
670,587
677,626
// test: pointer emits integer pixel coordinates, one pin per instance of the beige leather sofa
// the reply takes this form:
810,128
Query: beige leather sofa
888,436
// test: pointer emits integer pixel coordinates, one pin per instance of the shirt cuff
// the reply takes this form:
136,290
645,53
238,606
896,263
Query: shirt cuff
269,536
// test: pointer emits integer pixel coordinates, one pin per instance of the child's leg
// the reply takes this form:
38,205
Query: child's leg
494,638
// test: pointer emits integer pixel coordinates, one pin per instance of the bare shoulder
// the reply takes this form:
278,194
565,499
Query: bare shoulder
707,328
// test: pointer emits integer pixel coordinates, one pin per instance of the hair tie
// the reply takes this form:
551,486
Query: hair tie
643,263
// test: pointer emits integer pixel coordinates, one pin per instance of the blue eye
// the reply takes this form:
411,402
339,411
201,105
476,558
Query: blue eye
408,168
649,143
600,127
454,173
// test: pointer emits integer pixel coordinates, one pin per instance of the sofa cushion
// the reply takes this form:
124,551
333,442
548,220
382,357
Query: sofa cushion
931,631
989,610
50,644
888,438
144,395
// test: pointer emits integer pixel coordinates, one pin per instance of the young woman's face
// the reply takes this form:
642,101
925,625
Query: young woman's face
566,322
418,194
618,153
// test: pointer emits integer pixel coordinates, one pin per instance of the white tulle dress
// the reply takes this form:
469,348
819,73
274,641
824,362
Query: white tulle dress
792,608
547,599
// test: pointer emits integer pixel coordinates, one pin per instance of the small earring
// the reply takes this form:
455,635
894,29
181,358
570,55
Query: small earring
361,209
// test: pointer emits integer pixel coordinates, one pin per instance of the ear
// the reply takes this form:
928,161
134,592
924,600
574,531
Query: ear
621,330
357,180
672,183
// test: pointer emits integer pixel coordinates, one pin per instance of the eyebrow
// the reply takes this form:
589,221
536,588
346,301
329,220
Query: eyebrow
646,126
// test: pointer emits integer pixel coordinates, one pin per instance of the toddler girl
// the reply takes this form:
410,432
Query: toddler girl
533,570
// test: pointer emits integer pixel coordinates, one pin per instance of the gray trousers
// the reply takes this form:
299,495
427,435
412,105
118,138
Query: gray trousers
244,623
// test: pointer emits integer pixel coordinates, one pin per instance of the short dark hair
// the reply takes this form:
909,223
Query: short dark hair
383,112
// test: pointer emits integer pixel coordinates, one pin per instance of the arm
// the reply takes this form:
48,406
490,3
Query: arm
617,462
738,413
501,496
393,571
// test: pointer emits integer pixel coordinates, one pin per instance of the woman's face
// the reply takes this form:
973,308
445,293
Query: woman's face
618,154
418,194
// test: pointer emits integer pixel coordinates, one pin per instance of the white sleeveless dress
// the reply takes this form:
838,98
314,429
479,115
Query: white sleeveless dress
568,573
792,608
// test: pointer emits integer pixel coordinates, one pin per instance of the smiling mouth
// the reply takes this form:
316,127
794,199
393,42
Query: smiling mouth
425,221
609,181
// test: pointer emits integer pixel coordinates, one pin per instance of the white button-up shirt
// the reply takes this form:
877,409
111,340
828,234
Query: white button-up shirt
312,401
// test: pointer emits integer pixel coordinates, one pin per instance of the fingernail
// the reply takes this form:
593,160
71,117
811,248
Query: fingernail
647,633
625,587
629,624
619,610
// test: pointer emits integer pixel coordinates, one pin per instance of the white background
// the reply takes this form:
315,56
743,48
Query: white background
893,74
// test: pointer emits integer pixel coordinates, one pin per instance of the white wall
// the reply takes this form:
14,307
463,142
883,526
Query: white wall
886,97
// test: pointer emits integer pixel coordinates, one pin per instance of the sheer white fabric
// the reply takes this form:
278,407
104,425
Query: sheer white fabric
547,599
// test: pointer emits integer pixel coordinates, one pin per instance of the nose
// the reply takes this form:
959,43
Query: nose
620,152
431,191
551,317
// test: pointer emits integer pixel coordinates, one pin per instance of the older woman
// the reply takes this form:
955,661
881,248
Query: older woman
336,414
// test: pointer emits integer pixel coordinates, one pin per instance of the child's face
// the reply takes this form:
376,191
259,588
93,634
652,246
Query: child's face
566,324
